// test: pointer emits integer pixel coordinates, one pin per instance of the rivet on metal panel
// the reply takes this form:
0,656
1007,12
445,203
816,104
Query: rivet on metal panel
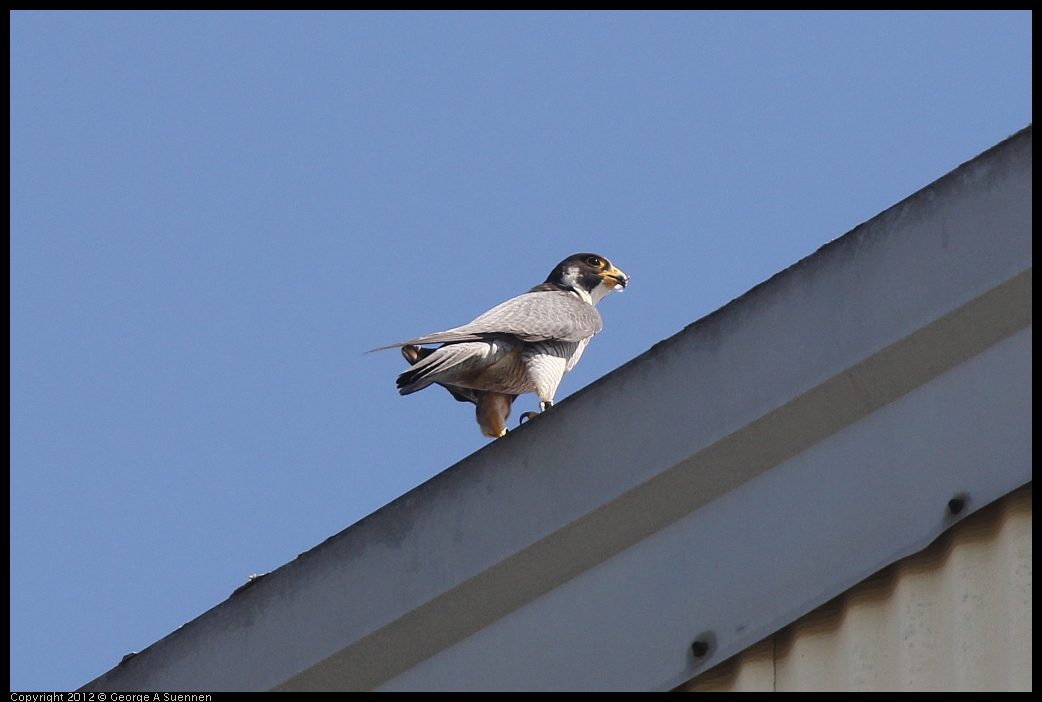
703,644
957,504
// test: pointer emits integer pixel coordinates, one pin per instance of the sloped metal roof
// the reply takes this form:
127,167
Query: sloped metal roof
713,490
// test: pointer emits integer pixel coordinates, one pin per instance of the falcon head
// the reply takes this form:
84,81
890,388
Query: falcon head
588,275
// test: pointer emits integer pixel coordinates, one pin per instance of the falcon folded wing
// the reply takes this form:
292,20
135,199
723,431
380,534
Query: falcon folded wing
532,317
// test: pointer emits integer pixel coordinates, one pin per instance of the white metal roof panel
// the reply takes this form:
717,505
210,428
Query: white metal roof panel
727,481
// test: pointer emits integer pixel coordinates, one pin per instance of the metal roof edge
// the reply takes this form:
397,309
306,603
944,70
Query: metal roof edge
871,317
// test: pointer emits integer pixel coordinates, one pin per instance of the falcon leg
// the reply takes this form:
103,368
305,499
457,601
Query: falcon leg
546,367
543,406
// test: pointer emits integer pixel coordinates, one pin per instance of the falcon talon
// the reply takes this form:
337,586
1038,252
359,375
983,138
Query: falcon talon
524,345
525,417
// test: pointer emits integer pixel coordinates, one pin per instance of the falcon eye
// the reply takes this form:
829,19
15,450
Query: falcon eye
595,262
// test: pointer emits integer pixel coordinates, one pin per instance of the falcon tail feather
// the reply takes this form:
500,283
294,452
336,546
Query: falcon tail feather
428,370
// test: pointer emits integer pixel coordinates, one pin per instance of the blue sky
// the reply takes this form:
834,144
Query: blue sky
214,215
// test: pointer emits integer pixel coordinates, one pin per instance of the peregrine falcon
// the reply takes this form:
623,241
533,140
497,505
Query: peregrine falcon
526,344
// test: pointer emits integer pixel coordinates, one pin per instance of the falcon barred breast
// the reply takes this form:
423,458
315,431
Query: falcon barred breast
526,344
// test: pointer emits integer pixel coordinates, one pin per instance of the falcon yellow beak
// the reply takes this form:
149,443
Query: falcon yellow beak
615,277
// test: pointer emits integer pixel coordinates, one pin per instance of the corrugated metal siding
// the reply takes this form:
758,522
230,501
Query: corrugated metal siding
955,616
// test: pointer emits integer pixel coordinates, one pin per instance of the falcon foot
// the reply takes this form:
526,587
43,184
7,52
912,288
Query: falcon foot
544,406
526,416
